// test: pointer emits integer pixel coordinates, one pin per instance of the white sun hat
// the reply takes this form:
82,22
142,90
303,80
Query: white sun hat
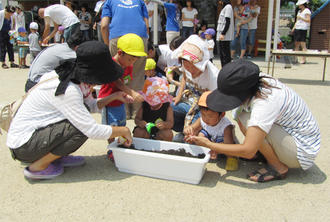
301,2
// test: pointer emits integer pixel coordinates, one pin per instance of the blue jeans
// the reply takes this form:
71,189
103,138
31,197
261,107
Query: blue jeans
69,31
187,31
243,34
180,111
252,36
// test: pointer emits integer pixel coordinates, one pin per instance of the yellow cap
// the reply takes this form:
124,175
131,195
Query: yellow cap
202,99
150,64
131,44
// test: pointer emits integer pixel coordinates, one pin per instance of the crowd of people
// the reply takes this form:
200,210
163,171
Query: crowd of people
134,77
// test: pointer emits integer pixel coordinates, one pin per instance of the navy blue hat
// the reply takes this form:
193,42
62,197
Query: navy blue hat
237,81
94,65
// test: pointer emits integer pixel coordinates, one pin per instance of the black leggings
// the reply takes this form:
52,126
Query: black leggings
6,46
224,48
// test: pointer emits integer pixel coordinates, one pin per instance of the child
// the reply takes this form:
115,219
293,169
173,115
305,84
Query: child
59,36
155,118
150,69
34,42
130,48
22,39
217,128
209,33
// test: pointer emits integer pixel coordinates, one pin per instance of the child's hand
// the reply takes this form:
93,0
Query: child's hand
125,98
176,100
188,131
137,97
198,140
161,125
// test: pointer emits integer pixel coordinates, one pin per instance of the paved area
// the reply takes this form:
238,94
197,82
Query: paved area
98,192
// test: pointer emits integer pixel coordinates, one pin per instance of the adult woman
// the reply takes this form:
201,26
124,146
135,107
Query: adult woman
199,75
253,25
54,120
242,17
301,26
189,14
225,31
85,22
18,18
274,120
5,45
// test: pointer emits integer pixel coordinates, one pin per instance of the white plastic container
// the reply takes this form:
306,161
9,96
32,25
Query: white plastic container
158,165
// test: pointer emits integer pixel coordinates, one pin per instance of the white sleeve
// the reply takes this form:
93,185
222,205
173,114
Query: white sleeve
265,112
72,107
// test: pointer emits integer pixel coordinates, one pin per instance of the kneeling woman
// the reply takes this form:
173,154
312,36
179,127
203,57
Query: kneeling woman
275,120
54,119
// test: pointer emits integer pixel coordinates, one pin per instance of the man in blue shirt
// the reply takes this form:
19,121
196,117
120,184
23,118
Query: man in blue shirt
120,17
172,19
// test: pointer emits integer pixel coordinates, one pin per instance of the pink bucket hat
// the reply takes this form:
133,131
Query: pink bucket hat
156,91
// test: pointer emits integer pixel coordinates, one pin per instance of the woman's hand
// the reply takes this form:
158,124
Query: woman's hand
198,140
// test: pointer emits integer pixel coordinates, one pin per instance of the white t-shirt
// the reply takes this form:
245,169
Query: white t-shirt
286,108
42,108
165,59
216,132
206,81
300,24
150,8
188,15
253,24
61,15
98,6
226,12
210,44
19,20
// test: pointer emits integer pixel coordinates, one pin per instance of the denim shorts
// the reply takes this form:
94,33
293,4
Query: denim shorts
22,52
116,115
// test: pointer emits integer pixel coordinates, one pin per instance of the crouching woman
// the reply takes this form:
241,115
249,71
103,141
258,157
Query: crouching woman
54,119
275,121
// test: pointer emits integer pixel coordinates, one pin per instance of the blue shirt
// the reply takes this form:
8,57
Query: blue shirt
172,22
127,16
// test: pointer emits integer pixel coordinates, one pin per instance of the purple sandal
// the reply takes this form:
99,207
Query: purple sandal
53,170
71,161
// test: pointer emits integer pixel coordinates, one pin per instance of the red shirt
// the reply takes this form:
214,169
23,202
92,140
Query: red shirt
110,88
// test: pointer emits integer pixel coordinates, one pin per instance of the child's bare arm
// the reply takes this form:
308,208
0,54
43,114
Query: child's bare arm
168,124
136,96
181,89
138,119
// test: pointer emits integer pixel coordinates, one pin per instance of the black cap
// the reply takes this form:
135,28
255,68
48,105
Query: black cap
237,81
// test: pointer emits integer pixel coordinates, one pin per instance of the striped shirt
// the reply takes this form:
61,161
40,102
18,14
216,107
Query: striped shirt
42,108
287,109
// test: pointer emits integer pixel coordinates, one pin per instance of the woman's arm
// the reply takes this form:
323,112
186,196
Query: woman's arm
253,140
105,29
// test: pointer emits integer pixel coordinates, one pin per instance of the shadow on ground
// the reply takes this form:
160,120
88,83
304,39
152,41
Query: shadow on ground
314,175
96,168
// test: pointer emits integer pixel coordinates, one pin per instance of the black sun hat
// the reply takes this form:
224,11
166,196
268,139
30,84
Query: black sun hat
237,81
94,65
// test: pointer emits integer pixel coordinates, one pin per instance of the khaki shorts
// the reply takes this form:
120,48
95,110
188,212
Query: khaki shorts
282,143
60,139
